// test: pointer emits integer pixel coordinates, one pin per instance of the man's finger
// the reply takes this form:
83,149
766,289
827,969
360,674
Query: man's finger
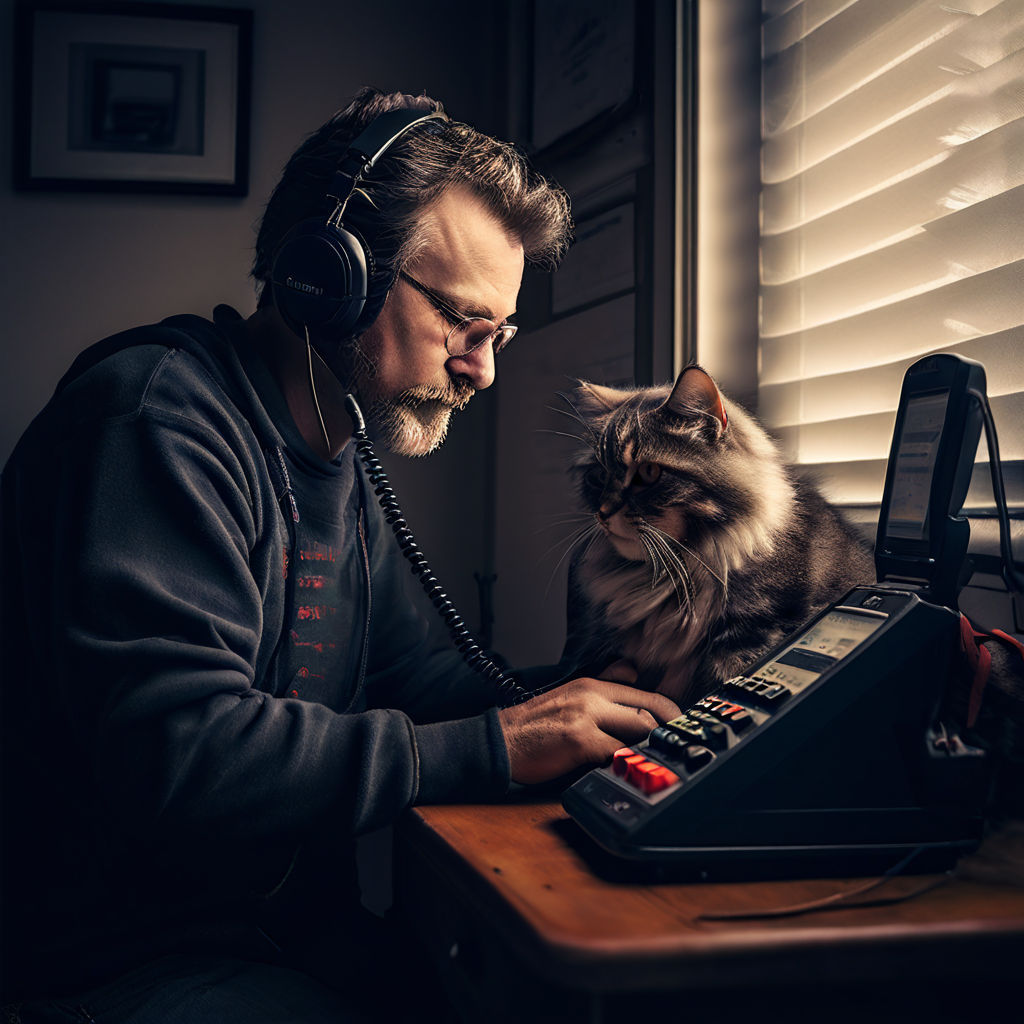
627,724
661,707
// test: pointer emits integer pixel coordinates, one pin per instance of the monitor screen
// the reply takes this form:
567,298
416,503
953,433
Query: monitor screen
915,466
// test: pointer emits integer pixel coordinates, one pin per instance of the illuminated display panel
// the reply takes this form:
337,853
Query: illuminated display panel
915,466
825,643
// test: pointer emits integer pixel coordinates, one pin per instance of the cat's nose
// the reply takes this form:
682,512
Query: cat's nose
609,507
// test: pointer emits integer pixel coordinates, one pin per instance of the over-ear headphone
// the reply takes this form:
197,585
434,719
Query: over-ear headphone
323,272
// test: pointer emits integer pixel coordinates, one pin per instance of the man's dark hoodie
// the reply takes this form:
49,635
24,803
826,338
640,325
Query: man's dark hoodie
205,637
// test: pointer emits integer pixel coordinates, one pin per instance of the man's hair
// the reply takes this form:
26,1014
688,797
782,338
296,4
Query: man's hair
417,170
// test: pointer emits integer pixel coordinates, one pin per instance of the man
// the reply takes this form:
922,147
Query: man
213,680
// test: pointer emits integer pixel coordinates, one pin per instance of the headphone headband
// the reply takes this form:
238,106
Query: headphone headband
321,277
385,129
367,148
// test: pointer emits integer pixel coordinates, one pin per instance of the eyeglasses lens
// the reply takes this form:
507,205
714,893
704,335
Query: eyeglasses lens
472,333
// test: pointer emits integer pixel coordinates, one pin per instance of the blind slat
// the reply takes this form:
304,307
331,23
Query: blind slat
861,483
848,51
976,239
980,305
903,200
876,388
868,436
892,224
975,104
975,43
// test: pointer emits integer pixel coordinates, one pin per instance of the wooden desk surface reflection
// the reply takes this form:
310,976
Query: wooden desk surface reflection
503,898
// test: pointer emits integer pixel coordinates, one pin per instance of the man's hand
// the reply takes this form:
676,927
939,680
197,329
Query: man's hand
582,722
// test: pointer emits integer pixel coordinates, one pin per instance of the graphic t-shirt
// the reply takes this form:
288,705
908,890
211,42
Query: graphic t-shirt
326,583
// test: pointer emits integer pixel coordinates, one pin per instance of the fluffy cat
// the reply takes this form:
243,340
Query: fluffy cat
706,549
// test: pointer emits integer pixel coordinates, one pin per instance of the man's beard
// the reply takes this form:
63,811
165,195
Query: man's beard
413,422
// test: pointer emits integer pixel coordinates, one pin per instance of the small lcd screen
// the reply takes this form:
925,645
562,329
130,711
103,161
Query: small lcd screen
829,640
915,466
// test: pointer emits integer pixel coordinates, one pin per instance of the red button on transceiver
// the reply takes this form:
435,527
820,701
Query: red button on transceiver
623,758
657,779
648,776
635,768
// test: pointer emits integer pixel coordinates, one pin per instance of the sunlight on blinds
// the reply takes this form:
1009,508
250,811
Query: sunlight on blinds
892,223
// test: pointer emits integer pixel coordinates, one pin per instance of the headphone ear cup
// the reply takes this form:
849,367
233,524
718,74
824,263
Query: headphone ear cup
320,277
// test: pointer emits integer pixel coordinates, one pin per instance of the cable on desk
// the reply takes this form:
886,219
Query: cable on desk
838,900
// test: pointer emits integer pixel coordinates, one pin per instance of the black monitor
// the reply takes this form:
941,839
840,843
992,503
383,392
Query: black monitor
921,537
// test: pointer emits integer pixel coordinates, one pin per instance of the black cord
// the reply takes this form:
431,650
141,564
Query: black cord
1013,581
510,691
838,900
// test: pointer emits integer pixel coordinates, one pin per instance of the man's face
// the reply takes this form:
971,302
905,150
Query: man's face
409,383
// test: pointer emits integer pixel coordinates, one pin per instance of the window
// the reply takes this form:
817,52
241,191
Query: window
892,210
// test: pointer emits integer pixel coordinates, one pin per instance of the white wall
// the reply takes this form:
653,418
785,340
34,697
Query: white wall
76,267
728,185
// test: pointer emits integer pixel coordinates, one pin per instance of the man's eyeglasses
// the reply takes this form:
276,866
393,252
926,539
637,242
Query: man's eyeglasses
467,333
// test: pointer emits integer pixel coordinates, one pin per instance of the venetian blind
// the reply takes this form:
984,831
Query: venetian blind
892,224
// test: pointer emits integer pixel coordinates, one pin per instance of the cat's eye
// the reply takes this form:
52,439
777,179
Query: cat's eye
648,472
595,477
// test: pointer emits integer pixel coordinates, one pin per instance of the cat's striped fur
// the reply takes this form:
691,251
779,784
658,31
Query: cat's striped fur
706,548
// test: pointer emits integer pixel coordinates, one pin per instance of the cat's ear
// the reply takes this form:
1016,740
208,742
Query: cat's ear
696,392
597,399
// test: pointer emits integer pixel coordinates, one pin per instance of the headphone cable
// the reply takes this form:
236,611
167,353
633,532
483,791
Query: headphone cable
312,390
508,687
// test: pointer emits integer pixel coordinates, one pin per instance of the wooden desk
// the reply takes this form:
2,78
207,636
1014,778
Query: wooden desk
522,930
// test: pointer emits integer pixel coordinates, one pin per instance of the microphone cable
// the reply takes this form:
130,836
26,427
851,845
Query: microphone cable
510,691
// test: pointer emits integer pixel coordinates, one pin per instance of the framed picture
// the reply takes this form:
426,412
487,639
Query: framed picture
584,67
132,97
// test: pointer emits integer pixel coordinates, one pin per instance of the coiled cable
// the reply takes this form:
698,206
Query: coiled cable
509,690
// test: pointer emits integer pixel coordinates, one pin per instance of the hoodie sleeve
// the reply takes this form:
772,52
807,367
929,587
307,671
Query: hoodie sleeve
138,535
413,665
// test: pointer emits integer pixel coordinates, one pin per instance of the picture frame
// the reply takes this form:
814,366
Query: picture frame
584,74
132,97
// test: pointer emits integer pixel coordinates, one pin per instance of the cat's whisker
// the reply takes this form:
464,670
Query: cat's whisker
572,405
577,540
652,545
594,440
573,415
572,525
693,554
683,576
571,540
555,518
561,433
664,571
658,567
590,543
682,592
567,524
658,538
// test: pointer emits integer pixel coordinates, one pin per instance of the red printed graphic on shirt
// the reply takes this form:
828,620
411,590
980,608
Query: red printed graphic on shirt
313,631
318,553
